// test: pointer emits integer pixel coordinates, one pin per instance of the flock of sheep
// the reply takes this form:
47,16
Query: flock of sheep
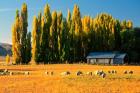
6,72
100,73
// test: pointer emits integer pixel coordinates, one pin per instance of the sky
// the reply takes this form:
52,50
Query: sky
120,9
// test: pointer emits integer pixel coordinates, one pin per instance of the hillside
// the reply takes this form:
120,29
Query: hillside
5,49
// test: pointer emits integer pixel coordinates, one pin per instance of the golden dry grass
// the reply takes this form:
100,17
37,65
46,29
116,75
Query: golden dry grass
38,82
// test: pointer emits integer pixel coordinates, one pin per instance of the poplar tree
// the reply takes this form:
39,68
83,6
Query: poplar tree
71,27
19,36
66,29
54,38
69,20
35,42
104,30
85,35
39,29
45,34
65,44
117,36
16,47
59,32
129,24
77,27
23,31
28,48
123,25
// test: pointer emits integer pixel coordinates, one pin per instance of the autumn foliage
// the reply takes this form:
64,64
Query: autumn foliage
56,39
21,47
7,59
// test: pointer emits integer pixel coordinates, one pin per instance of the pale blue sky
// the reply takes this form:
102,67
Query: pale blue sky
121,9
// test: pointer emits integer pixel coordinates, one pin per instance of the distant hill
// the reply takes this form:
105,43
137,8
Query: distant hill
5,49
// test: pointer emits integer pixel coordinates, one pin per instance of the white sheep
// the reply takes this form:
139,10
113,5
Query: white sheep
65,73
47,73
89,73
97,72
51,73
131,72
109,71
100,73
26,73
5,70
11,73
114,72
103,75
125,72
78,73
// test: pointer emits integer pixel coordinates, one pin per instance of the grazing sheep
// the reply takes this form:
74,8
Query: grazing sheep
109,71
114,72
2,73
1,70
11,73
103,75
98,72
47,73
131,72
125,72
5,70
26,73
65,73
101,71
89,73
78,73
51,73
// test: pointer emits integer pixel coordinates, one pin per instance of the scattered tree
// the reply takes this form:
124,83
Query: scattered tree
7,59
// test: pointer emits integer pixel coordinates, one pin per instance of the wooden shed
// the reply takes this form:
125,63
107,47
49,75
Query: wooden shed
106,58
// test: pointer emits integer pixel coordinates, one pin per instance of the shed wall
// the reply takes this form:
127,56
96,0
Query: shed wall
118,61
100,61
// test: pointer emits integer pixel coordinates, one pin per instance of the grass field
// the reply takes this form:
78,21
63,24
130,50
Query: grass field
38,82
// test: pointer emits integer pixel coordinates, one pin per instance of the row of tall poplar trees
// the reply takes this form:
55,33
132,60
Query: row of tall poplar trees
56,39
21,38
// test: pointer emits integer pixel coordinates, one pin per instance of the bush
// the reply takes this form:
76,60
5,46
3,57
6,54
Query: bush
7,59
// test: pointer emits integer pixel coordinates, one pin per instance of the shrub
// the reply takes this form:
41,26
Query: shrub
7,59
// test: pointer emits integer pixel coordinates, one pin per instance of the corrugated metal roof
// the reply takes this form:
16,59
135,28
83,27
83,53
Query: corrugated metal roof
101,55
105,55
120,55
